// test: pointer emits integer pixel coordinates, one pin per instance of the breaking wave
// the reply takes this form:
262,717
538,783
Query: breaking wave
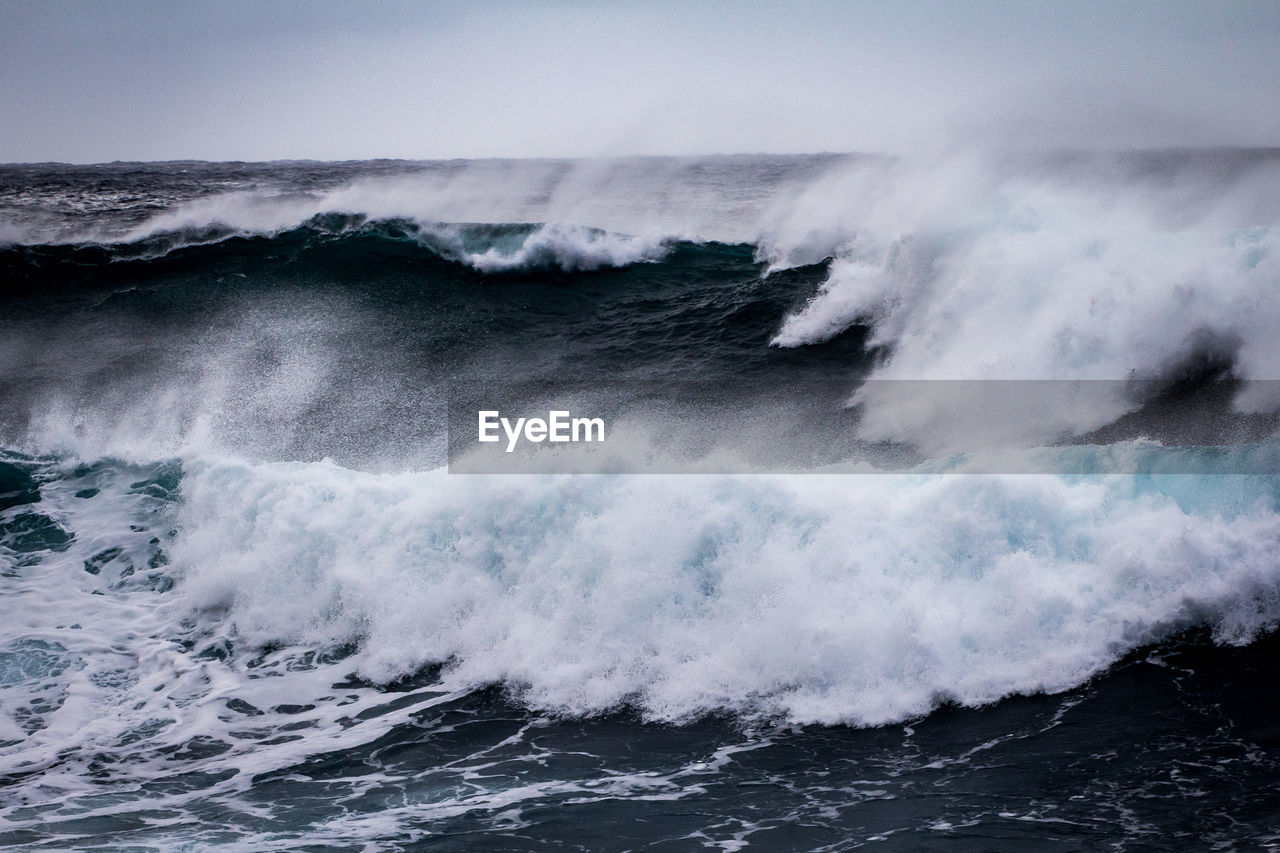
499,248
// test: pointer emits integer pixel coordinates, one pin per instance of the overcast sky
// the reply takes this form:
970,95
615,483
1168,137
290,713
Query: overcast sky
97,80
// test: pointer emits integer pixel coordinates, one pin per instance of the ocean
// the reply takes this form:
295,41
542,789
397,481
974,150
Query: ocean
937,507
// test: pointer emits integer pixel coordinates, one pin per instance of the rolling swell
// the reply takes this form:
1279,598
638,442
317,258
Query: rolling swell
677,294
341,333
398,260
330,237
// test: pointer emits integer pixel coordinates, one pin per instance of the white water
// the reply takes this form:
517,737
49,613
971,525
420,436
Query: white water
965,271
863,599
568,248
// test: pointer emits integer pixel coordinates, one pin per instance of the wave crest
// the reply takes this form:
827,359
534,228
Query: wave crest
568,248
968,270
486,248
821,600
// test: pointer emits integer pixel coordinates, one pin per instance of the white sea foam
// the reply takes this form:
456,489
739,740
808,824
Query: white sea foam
861,600
820,599
965,270
1013,278
568,248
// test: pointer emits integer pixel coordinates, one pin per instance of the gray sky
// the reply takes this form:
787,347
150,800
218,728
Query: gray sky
95,80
